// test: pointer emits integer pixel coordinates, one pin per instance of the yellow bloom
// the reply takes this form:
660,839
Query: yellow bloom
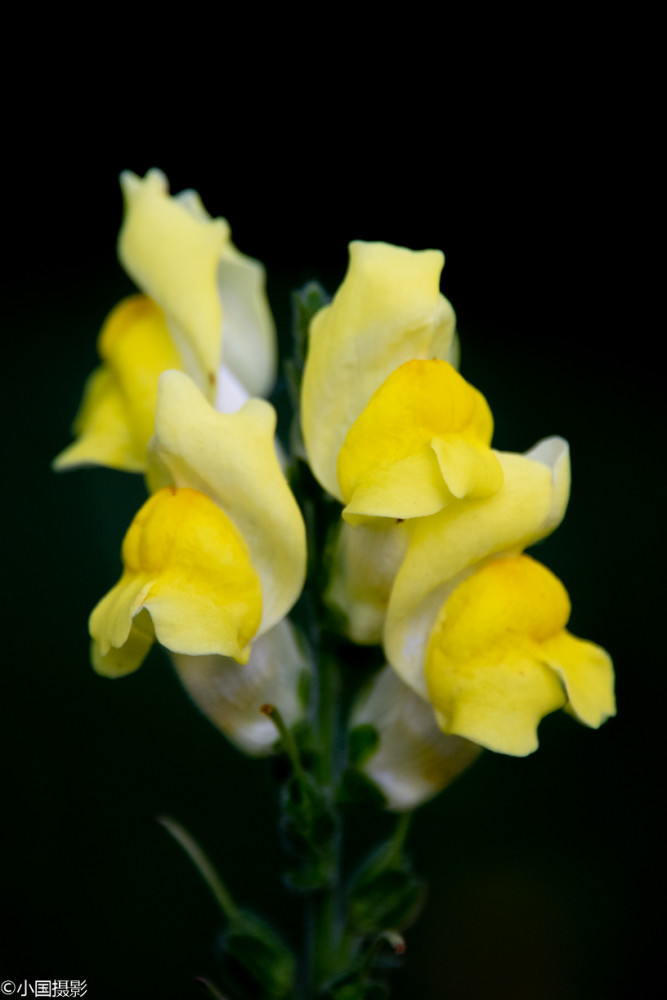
499,658
198,290
478,629
387,311
216,556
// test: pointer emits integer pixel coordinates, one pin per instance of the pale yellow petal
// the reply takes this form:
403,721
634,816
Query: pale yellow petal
364,566
414,760
447,547
231,458
231,695
388,310
172,253
248,329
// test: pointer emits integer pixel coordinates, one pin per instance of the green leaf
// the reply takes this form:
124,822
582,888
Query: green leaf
385,893
363,744
353,986
309,824
392,898
256,957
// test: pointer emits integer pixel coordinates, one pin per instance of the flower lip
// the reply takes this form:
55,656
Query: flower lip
447,548
423,441
500,659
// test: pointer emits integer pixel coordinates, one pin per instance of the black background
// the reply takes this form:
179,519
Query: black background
541,870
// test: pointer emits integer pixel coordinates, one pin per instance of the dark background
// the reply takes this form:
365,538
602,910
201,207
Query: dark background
541,870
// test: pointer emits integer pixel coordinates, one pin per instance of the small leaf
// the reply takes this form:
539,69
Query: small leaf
257,957
363,743
390,899
353,986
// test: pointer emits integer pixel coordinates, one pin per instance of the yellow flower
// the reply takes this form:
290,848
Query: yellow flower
216,556
199,290
387,311
477,629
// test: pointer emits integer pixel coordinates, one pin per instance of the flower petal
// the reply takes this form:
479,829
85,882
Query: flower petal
587,674
172,253
448,546
187,564
365,562
116,417
231,695
424,428
248,329
485,673
128,657
414,760
103,435
231,458
388,310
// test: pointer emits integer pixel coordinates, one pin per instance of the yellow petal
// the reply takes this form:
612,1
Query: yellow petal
424,429
388,310
231,696
116,417
187,565
365,562
414,760
587,674
102,430
485,672
231,458
172,253
448,546
248,329
125,659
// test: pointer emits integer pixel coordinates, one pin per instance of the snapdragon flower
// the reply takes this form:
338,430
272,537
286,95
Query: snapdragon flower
493,673
216,556
198,292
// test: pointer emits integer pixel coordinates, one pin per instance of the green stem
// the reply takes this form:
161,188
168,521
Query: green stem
203,865
397,842
326,915
288,742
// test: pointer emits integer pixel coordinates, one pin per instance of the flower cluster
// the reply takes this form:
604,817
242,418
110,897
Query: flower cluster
216,557
430,556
